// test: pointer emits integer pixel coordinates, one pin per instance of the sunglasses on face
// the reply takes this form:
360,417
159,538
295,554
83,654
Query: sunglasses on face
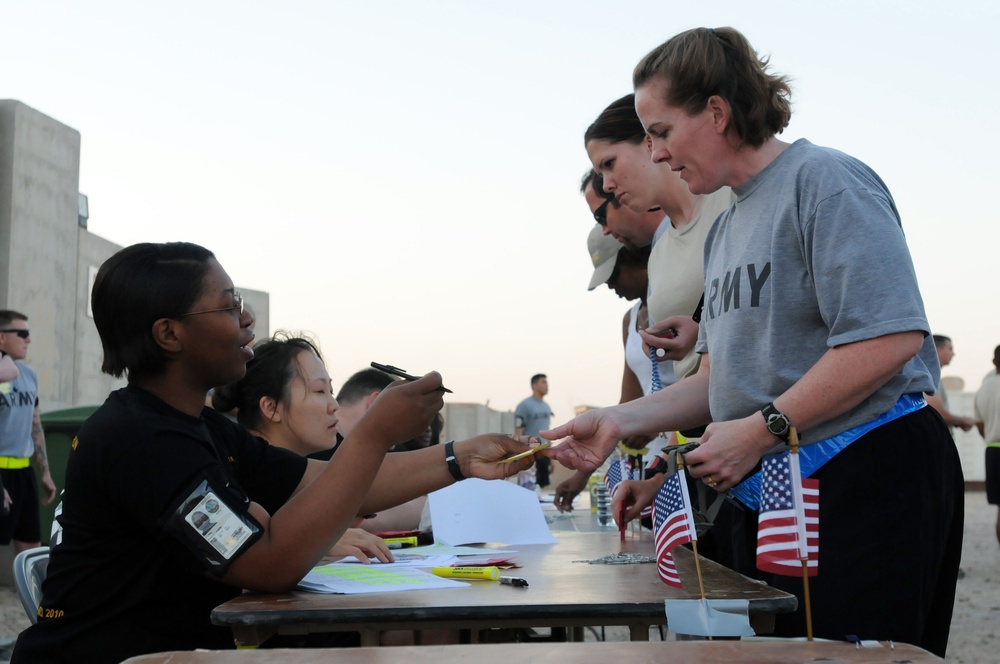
24,334
601,213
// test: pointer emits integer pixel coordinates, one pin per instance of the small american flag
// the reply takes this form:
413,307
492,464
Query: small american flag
614,477
788,527
673,524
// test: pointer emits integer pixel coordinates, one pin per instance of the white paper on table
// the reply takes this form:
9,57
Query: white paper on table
714,617
448,550
404,560
478,510
358,579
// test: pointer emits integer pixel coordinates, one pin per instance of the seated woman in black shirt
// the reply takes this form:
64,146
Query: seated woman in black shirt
134,573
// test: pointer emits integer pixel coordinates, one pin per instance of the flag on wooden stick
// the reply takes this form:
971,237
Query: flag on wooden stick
788,526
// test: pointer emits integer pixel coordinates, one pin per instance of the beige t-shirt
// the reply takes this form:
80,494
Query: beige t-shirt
677,269
987,408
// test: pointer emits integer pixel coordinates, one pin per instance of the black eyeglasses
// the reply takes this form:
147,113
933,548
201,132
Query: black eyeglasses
237,305
24,334
601,213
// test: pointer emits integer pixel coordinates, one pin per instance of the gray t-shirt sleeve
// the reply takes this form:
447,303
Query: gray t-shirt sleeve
865,282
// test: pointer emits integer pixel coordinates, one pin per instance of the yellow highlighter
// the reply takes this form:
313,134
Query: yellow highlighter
480,573
400,542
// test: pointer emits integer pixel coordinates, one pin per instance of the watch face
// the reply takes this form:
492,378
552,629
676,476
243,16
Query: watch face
777,424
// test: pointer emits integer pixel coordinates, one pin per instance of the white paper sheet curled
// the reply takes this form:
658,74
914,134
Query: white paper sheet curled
475,510
714,617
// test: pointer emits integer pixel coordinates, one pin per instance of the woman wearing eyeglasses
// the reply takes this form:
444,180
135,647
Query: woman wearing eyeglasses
812,319
134,573
616,145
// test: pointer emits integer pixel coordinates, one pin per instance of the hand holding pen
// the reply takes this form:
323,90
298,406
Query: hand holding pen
675,336
403,410
395,371
488,456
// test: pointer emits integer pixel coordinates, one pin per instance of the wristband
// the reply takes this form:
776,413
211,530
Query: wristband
449,457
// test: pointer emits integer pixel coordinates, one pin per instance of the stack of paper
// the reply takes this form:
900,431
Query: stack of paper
357,579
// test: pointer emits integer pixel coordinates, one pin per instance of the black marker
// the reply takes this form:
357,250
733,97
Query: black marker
513,581
389,369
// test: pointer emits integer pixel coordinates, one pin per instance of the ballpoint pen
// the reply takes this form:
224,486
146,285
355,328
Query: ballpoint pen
395,371
621,522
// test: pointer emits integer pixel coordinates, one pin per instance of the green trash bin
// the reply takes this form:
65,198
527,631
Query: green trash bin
60,427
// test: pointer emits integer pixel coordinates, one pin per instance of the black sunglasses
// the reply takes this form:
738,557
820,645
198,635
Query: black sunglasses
601,213
24,334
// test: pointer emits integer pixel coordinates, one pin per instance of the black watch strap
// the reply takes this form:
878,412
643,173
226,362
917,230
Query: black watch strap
452,461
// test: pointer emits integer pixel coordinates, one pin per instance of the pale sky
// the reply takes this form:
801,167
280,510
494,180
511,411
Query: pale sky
402,176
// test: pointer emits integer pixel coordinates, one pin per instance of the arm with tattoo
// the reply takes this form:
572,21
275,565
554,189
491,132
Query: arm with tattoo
41,457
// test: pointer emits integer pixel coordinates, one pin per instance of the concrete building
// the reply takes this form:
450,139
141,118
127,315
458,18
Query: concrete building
48,259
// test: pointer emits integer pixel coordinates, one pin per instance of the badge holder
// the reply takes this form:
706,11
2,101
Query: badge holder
211,529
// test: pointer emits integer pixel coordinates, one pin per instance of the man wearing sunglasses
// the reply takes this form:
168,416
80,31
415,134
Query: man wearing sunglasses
21,438
633,229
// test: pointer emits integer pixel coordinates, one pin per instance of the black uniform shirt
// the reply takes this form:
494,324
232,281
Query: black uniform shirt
120,583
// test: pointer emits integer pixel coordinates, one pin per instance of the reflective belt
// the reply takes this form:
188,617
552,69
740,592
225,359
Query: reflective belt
992,444
814,455
14,462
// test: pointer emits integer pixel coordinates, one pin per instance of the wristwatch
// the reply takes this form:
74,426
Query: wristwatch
777,422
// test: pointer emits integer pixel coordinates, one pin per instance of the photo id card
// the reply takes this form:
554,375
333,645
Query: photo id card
219,525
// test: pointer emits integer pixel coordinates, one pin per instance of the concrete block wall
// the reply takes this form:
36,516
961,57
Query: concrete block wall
465,420
90,386
40,173
48,261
